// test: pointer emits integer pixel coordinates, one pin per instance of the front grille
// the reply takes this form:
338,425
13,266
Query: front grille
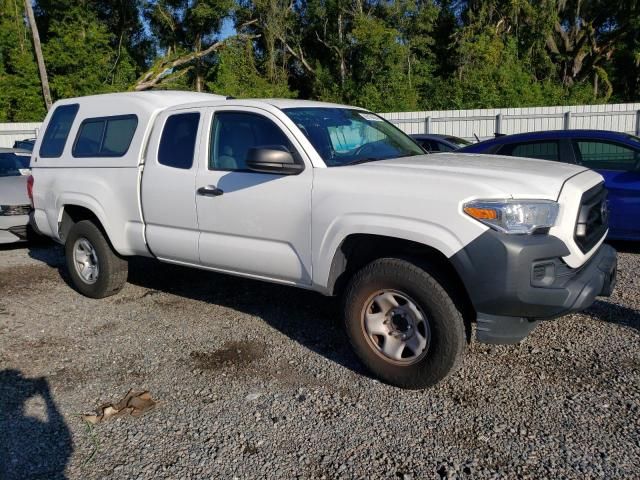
593,218
19,231
10,210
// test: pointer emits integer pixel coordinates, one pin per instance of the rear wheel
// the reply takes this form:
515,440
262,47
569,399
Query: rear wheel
96,270
403,324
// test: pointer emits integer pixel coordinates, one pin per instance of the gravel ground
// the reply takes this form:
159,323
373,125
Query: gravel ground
256,381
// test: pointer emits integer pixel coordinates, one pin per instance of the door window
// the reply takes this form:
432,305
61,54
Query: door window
58,130
607,156
234,133
542,150
178,142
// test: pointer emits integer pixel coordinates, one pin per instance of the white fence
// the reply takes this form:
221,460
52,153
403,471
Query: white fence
485,123
10,132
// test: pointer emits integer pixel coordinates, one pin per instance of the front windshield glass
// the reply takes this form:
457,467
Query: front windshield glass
633,138
344,136
12,165
460,142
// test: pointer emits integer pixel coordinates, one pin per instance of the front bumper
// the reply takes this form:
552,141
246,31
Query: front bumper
515,280
13,228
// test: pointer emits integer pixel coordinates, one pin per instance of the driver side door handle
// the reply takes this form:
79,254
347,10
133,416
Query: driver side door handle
210,191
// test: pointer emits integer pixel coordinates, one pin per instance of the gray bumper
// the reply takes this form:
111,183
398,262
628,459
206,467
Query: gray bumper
13,228
514,281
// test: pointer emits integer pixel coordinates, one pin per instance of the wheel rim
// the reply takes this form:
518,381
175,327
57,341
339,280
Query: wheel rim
85,260
395,327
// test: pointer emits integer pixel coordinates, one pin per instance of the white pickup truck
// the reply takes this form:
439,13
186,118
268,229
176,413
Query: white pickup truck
329,198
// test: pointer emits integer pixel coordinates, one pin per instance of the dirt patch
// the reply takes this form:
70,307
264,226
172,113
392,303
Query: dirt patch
104,328
124,299
232,354
20,278
156,297
69,378
44,343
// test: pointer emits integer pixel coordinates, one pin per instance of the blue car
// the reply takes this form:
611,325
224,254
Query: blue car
614,155
435,143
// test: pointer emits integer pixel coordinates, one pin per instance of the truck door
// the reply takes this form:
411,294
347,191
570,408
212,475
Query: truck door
255,224
168,179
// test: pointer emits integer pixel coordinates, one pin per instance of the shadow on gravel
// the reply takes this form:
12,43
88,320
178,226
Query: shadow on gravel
33,242
35,441
612,313
51,254
306,317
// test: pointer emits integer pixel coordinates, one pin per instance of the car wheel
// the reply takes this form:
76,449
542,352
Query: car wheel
96,270
403,324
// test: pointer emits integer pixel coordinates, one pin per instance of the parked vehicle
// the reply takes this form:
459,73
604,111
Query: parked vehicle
434,143
614,155
26,144
14,202
329,198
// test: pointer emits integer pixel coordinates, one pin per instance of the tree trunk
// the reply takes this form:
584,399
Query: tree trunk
199,77
343,68
37,47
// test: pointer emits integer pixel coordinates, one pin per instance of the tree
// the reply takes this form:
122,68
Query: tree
185,32
37,48
20,89
380,68
237,75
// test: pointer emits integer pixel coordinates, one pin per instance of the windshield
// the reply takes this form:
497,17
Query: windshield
12,165
460,142
344,136
633,138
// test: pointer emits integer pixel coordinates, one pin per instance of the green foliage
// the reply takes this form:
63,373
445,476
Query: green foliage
20,92
237,75
380,54
381,68
182,27
80,59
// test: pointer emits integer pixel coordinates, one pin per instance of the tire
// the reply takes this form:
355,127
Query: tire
429,319
111,273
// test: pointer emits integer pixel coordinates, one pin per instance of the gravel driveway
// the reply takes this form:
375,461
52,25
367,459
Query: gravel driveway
256,381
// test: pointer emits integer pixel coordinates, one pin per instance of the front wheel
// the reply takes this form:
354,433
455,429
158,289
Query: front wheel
96,270
403,324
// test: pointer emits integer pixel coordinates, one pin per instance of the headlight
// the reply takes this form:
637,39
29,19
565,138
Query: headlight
514,216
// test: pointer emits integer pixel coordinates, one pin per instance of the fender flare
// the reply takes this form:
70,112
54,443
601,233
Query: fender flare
429,234
92,205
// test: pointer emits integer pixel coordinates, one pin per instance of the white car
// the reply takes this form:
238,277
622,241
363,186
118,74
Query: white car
14,202
329,198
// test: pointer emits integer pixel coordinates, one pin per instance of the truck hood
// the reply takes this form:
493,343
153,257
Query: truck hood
502,175
13,191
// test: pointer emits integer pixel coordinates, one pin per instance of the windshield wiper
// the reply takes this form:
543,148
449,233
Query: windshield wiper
362,160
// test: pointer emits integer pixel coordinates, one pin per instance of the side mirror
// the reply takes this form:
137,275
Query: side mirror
273,159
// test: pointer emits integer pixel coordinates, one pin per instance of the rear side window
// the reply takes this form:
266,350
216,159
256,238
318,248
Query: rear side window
607,156
542,150
178,142
58,130
105,136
